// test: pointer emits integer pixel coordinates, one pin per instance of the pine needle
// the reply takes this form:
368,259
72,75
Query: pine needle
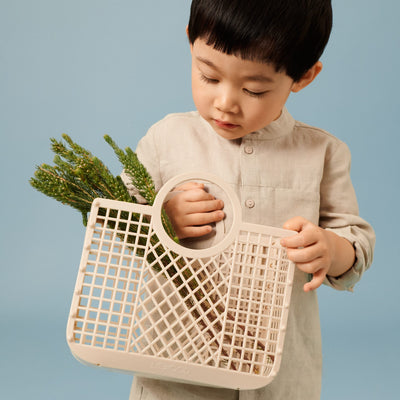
78,177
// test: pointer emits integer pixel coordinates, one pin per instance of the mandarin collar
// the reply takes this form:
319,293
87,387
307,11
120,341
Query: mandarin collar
280,127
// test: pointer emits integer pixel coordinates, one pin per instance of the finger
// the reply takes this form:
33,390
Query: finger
199,219
205,206
195,231
196,194
316,282
303,239
303,255
295,224
312,266
309,235
189,186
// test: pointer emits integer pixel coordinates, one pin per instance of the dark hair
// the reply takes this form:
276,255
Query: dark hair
290,34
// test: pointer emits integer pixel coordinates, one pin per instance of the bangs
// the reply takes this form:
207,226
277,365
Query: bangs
262,51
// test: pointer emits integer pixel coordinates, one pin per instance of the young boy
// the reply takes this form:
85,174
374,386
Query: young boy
247,57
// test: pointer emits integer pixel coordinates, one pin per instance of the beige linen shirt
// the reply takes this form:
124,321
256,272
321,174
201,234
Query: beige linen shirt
284,170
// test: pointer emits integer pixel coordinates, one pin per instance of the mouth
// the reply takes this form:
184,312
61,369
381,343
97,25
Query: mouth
225,124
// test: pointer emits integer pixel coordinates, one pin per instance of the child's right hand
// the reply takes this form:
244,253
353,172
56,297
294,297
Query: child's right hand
192,210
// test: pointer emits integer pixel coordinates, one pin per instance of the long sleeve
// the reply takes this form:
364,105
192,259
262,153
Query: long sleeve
339,213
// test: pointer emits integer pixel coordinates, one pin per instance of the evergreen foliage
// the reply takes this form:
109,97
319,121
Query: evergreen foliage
78,177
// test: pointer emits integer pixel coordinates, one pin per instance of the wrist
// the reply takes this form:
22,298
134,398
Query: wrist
344,255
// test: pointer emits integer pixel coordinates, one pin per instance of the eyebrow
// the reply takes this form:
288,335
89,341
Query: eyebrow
256,78
259,78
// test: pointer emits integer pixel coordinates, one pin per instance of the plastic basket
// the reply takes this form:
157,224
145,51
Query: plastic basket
145,304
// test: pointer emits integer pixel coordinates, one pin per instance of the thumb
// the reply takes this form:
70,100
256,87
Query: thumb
295,224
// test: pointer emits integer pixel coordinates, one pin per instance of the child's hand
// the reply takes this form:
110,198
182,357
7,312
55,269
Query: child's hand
192,210
317,251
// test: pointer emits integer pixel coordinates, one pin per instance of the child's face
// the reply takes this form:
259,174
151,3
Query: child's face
236,96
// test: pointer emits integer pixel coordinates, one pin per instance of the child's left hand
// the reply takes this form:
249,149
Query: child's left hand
317,251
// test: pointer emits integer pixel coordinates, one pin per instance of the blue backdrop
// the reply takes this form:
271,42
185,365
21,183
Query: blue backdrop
90,67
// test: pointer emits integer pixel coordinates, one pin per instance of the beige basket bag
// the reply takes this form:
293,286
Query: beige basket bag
147,305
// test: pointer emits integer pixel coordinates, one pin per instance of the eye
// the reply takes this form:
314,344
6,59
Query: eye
207,79
256,94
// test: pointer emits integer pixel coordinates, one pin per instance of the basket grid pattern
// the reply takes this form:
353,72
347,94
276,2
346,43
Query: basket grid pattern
136,296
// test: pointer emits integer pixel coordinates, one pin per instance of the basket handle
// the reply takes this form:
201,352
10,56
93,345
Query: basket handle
222,238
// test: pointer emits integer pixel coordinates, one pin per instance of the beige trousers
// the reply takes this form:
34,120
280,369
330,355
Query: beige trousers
153,389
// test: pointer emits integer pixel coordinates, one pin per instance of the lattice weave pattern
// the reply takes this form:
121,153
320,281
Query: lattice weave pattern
136,296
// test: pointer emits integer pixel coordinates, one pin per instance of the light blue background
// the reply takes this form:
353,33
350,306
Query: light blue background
90,67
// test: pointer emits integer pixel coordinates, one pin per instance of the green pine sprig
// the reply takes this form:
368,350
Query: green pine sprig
77,178
141,179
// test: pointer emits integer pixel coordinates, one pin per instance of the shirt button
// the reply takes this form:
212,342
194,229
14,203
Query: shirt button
250,203
248,149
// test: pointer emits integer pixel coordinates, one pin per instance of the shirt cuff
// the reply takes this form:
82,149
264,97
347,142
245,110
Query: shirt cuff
348,280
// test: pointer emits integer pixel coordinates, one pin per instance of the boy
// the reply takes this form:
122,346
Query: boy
247,57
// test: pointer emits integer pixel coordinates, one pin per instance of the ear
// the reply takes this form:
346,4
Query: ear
308,77
187,34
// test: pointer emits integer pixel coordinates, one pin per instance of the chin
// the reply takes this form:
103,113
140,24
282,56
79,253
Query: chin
229,135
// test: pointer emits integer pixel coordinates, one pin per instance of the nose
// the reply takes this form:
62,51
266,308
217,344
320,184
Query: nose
226,102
